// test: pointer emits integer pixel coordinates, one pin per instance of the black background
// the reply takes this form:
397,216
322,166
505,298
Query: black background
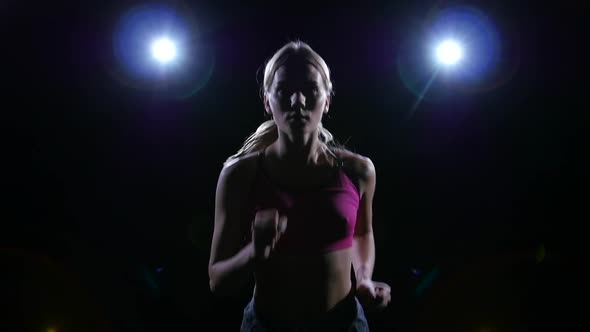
109,188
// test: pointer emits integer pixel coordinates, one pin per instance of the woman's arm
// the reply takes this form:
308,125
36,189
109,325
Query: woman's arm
363,252
230,263
372,294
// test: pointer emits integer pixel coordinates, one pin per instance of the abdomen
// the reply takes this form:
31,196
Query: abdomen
289,288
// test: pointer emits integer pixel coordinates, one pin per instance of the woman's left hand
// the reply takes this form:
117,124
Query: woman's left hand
373,294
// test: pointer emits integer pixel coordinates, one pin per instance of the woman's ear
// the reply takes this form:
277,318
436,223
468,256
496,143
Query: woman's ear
328,102
267,105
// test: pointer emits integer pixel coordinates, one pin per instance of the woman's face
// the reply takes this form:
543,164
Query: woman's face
297,97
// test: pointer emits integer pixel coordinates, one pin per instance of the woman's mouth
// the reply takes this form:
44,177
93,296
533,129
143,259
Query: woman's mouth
297,118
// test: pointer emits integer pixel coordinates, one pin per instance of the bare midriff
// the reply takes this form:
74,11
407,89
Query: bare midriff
289,288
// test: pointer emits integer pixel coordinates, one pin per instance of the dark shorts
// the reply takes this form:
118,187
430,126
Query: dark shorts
348,316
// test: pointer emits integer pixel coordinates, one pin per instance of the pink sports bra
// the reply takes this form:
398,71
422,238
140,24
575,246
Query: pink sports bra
320,219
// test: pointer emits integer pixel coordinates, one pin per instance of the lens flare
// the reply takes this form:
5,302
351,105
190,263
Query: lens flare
163,49
449,52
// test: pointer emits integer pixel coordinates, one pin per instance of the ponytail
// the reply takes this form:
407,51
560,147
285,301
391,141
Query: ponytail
267,133
264,136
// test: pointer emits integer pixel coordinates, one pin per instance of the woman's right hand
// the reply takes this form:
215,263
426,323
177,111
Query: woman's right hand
267,228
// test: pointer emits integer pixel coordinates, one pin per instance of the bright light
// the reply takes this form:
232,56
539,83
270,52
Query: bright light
449,52
163,50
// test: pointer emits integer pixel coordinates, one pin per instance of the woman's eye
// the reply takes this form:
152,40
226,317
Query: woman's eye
281,91
310,90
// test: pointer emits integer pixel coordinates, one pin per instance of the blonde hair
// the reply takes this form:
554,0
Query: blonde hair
267,132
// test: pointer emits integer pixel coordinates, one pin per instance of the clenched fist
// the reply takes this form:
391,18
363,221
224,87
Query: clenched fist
267,228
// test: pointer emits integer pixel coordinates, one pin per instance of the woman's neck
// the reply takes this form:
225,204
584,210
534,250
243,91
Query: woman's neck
302,153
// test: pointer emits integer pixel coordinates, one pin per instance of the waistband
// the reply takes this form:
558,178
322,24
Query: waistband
341,315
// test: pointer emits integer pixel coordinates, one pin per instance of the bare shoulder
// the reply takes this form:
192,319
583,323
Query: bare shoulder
240,167
362,167
234,185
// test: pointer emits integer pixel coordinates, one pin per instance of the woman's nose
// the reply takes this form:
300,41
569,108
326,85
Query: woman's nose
298,99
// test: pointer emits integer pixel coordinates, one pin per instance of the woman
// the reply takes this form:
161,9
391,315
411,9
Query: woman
296,210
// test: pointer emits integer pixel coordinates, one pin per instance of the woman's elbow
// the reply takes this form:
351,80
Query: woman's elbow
212,279
215,289
214,286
